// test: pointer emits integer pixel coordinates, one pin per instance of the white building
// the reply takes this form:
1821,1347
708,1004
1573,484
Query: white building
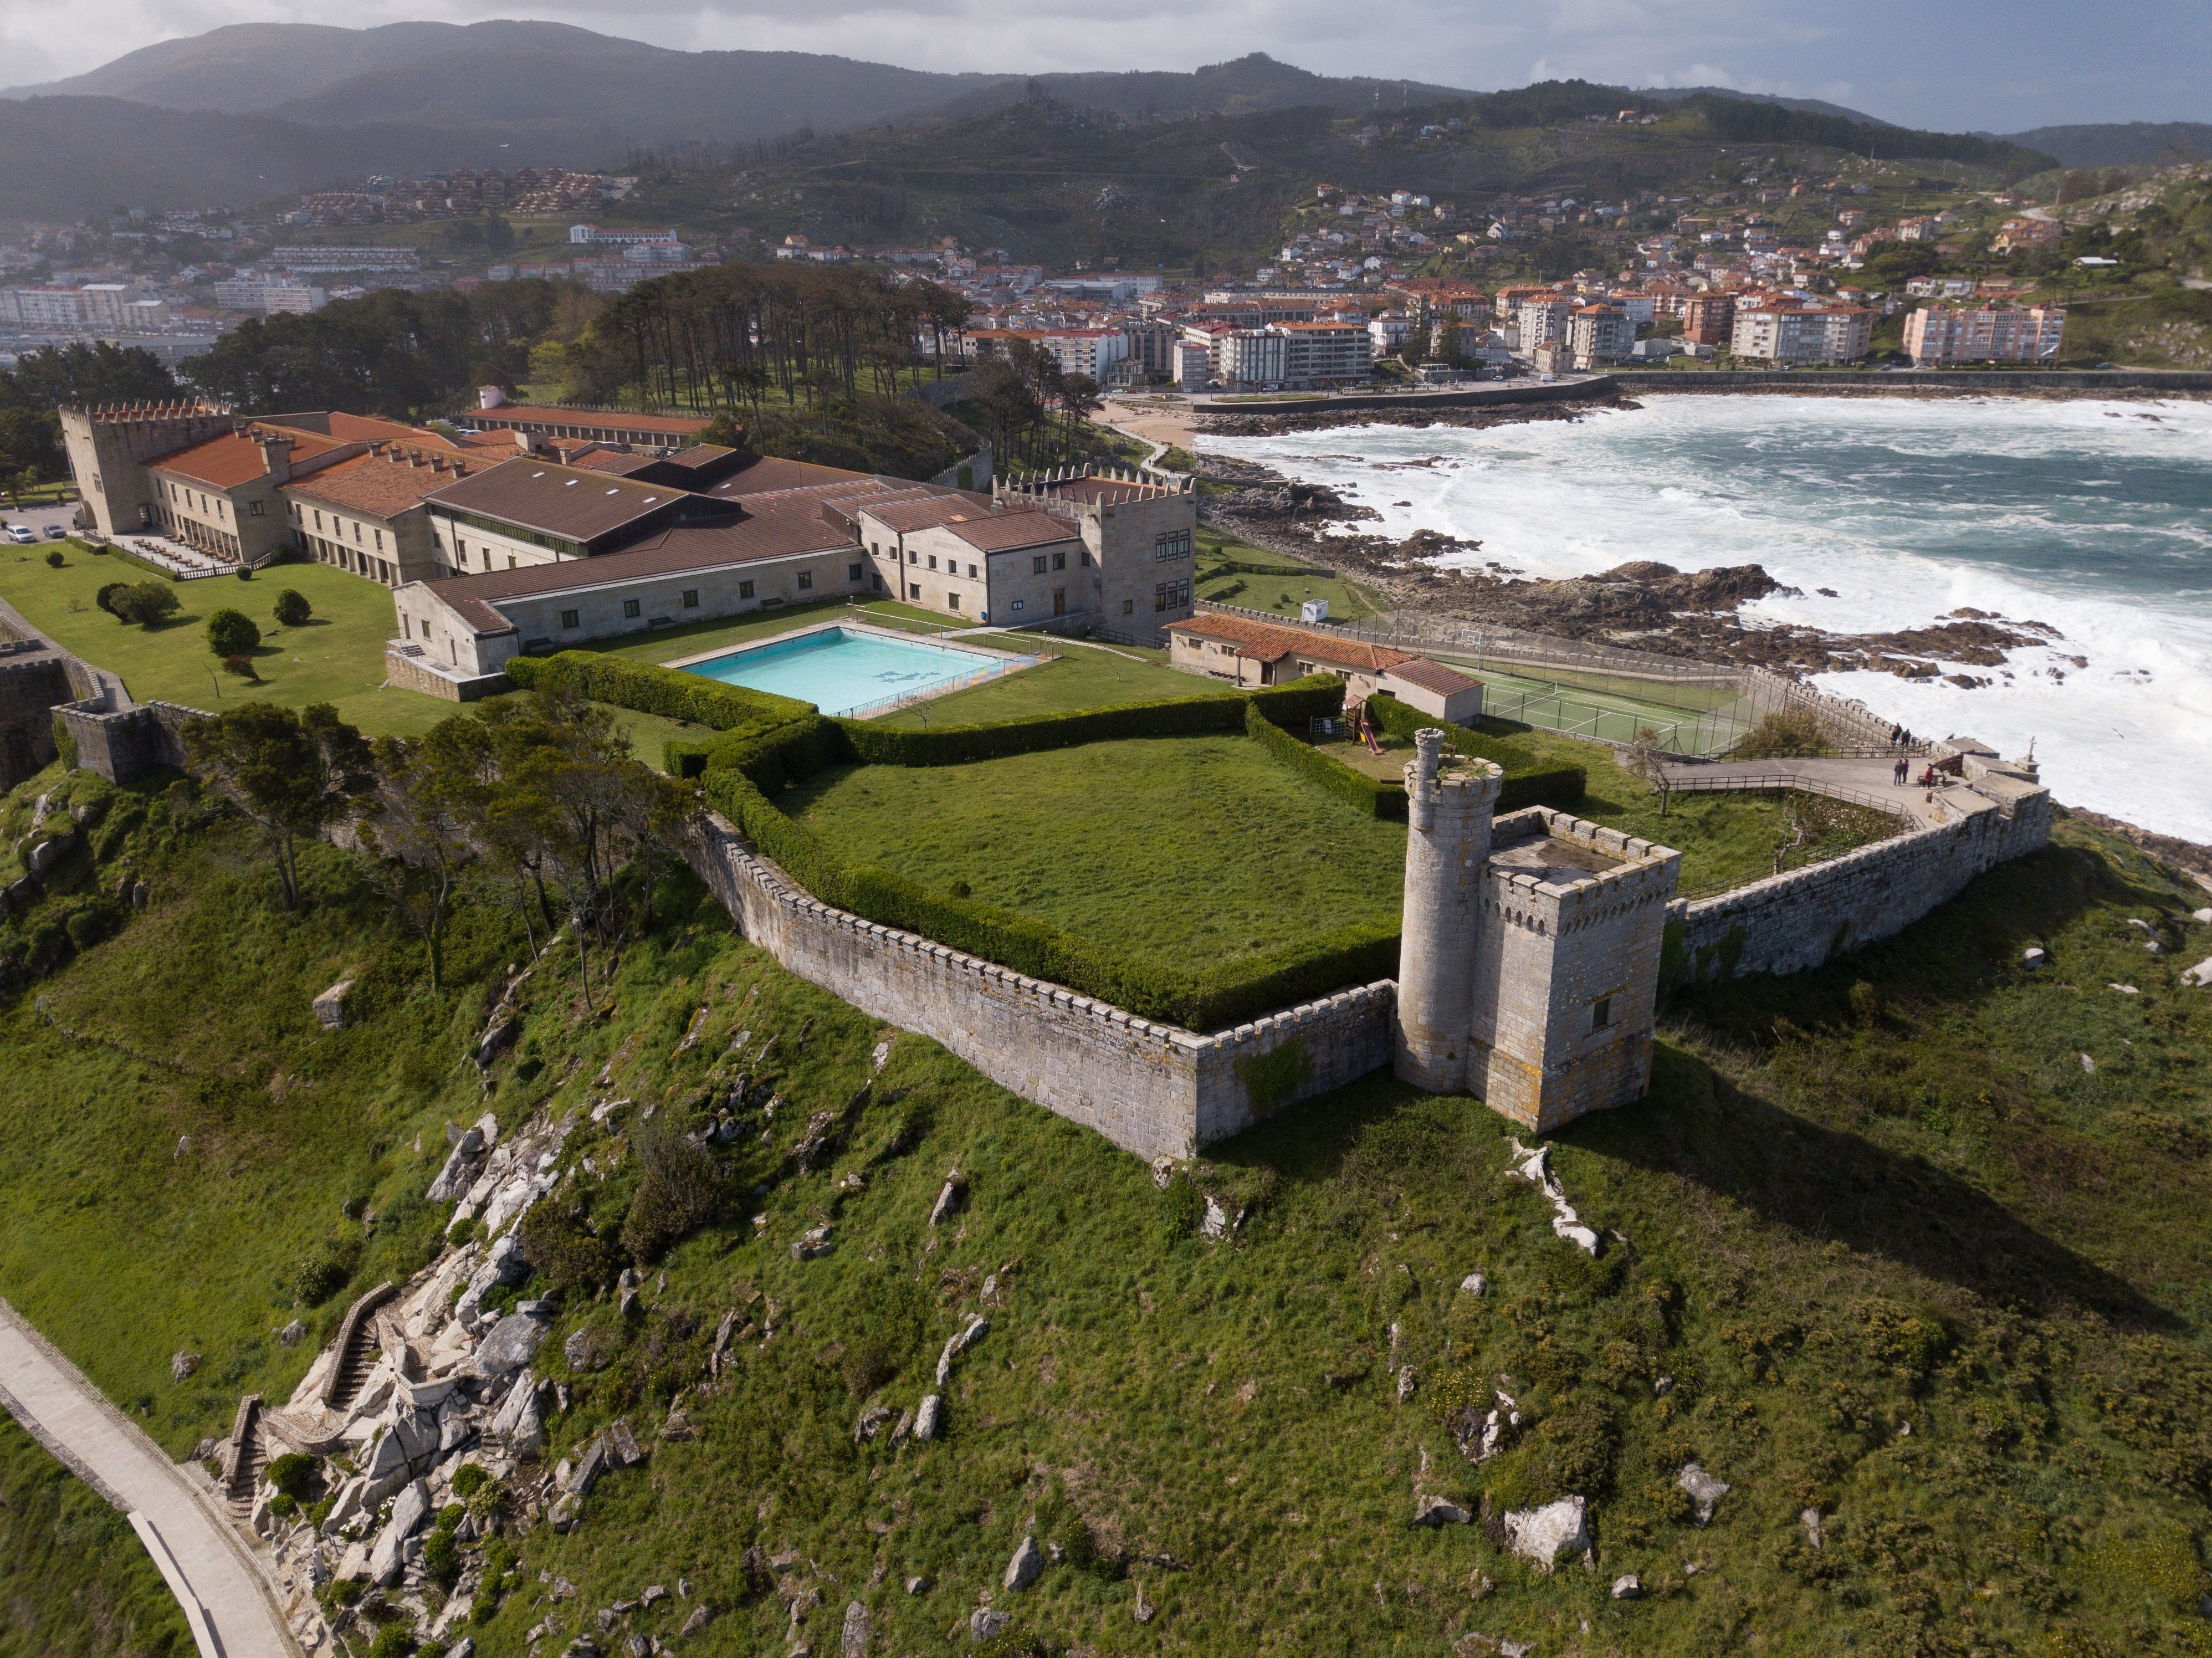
1086,350
1253,356
103,303
1802,333
1331,353
1598,335
1545,321
45,308
1938,334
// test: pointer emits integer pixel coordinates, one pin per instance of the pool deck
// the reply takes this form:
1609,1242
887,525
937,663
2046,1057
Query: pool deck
996,664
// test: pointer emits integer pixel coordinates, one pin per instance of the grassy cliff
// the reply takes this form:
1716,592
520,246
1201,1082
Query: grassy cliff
1880,1245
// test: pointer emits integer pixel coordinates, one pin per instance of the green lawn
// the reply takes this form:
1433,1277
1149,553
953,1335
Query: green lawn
338,657
1281,595
1202,849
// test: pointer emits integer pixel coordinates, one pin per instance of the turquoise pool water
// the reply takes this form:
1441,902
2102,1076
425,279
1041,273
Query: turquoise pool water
842,671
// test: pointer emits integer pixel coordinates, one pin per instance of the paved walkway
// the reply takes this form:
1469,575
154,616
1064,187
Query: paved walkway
1868,781
225,1599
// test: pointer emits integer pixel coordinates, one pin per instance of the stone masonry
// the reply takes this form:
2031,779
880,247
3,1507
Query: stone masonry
1153,1088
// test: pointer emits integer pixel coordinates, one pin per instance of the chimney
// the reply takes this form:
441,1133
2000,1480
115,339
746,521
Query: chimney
523,443
275,457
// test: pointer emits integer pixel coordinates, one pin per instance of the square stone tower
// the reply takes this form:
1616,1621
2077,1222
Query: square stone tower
1566,966
1528,969
108,447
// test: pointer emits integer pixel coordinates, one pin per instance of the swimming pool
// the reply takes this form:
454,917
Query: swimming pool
851,670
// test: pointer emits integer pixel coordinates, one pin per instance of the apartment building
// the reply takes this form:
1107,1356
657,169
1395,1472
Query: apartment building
1788,334
1708,319
1337,352
1939,334
1599,334
1251,356
1545,321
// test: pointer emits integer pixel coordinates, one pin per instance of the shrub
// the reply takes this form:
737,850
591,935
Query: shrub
680,1190
867,1366
241,665
1786,734
104,598
324,1271
232,633
54,558
468,1479
569,1256
86,927
669,692
292,609
290,1474
393,1641
147,603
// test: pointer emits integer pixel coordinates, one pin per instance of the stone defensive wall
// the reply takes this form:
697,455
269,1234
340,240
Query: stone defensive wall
1795,922
119,744
1153,1088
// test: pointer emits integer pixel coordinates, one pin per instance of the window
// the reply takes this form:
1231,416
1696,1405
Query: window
510,559
357,533
971,573
853,571
1601,1013
630,609
1128,605
1060,560
879,584
805,579
1016,606
952,601
690,598
256,508
380,539
914,590
462,547
913,558
570,619
1036,565
1174,544
1171,596
933,560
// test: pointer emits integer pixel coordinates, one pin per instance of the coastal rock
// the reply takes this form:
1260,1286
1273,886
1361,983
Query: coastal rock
511,1344
1540,1536
1703,1489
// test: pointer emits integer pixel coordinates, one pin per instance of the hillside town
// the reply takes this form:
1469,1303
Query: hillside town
1389,285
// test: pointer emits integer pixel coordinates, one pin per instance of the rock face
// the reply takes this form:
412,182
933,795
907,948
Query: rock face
986,1622
976,1330
1542,1536
330,1007
853,1641
409,1510
458,1173
1705,1491
1028,1560
925,1419
512,1344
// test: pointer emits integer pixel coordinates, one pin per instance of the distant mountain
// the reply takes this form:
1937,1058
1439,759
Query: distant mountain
1244,86
1815,105
2129,143
126,154
249,67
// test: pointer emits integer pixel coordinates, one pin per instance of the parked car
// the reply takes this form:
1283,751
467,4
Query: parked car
55,532
20,533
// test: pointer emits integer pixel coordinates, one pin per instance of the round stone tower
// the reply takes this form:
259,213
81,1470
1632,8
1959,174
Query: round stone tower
1449,804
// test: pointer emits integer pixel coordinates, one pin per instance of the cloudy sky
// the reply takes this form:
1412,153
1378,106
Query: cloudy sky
1995,64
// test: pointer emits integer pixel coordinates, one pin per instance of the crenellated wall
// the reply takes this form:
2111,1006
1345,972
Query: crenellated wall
1155,1090
1794,922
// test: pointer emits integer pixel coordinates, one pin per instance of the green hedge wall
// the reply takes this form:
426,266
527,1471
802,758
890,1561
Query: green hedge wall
1528,781
730,709
1372,795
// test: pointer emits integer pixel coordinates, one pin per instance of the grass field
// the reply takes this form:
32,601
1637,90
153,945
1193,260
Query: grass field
1279,594
1184,847
338,657
1841,1213
1085,676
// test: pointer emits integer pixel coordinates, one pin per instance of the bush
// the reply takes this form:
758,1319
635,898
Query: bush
86,927
681,1190
147,603
1369,794
241,665
393,1641
292,609
291,1474
569,1256
54,558
325,1271
468,1479
232,633
1778,735
867,1366
104,598
1528,781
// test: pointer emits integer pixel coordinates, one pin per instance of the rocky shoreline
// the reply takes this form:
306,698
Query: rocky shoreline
1639,605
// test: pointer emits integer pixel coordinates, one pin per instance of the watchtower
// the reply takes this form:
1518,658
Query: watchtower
1448,808
109,445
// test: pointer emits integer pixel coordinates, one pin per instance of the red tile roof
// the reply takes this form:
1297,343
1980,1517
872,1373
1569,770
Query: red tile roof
1433,676
375,486
1266,642
981,526
233,459
679,426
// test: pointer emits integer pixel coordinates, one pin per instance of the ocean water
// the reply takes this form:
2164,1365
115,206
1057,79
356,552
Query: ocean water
2094,518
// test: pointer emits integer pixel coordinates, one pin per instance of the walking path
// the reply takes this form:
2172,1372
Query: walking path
1866,781
226,1599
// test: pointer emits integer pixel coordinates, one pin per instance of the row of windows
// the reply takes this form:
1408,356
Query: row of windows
1171,596
1059,562
1174,545
633,608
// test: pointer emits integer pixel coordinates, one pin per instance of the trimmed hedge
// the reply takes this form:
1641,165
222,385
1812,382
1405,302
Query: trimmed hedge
669,692
1372,795
1181,716
1528,781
